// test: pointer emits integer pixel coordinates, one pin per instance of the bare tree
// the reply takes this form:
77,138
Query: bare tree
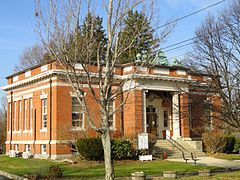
58,27
31,57
3,120
217,53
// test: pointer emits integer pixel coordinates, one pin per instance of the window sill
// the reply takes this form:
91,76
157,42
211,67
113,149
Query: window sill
77,129
43,130
16,132
27,131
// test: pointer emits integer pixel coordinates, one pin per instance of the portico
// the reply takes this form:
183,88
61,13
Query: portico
165,113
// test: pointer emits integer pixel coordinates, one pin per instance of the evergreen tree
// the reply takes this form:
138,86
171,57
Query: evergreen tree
94,34
138,31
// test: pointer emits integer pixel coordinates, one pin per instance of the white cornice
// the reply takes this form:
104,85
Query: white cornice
32,79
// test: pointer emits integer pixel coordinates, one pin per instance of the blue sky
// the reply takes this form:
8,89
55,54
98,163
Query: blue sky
17,26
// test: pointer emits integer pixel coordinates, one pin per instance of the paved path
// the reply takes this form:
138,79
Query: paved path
3,178
210,161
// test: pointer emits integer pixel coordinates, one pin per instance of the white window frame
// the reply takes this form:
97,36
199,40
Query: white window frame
30,113
25,114
190,119
15,116
43,149
16,147
78,112
44,105
27,148
208,113
10,117
112,109
20,115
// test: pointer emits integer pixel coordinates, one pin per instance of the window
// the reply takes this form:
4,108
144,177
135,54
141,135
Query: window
165,118
44,149
190,116
111,118
16,147
10,116
30,113
25,114
20,115
44,113
27,148
77,114
15,117
208,114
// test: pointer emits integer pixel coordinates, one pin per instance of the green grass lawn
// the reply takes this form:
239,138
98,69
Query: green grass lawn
226,156
92,169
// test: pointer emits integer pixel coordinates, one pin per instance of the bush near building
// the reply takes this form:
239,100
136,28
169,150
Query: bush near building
91,149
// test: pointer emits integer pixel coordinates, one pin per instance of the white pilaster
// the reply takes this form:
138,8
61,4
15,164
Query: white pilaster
144,111
176,120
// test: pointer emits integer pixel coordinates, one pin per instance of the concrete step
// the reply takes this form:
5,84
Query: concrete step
163,146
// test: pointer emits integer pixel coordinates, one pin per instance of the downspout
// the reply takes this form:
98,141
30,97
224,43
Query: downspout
11,119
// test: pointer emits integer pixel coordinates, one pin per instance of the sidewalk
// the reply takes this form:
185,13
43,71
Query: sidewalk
211,161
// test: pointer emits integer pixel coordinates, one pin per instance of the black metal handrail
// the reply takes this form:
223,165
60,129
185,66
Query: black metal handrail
176,144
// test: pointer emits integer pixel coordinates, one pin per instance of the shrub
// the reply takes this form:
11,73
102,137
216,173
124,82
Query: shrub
90,148
237,145
121,149
54,172
214,141
230,143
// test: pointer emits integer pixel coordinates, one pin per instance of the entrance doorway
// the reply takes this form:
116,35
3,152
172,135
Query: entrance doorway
152,120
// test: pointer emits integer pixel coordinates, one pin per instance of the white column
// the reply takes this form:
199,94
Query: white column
175,117
144,111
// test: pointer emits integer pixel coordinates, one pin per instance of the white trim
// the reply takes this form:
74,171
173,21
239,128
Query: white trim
78,66
42,142
15,78
27,131
28,74
44,68
43,149
60,141
77,129
143,69
127,69
39,142
16,132
33,78
165,71
181,72
43,96
16,98
43,130
27,96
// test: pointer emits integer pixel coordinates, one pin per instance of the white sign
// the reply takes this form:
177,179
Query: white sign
143,141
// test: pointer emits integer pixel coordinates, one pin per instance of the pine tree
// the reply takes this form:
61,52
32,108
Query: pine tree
94,34
138,31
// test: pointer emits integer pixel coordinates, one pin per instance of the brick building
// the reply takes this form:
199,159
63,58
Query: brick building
44,115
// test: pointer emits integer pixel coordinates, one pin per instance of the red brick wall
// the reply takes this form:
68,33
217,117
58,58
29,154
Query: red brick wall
132,114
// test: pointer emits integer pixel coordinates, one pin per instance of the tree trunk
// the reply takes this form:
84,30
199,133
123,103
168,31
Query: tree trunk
109,166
